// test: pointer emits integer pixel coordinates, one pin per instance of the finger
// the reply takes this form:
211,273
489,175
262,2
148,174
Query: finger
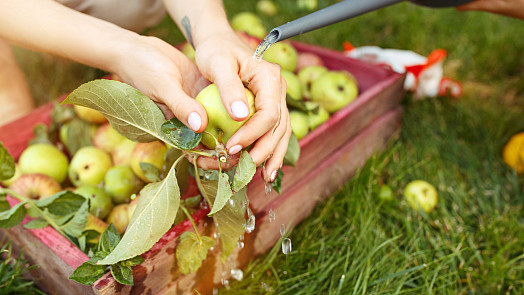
211,163
275,162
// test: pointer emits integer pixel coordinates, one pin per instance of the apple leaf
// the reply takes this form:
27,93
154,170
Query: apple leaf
153,217
78,135
230,220
180,135
122,274
130,112
62,114
151,172
4,204
13,216
7,164
223,195
297,104
36,223
292,152
40,135
245,171
89,272
109,239
277,184
191,251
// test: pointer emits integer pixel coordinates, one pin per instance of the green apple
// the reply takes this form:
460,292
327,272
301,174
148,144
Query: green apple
9,181
89,166
294,90
45,159
35,186
120,183
89,115
421,194
119,217
267,7
284,54
96,224
218,120
307,75
107,138
306,59
121,154
316,117
299,123
334,90
250,23
148,152
100,203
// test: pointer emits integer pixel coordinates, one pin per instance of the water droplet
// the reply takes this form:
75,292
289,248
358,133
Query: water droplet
250,223
286,246
204,205
271,215
216,235
282,229
231,202
208,174
237,274
268,188
285,272
240,244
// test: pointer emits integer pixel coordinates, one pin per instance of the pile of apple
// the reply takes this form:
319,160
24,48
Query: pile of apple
109,171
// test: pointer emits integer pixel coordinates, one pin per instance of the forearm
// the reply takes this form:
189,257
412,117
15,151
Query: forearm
199,19
46,26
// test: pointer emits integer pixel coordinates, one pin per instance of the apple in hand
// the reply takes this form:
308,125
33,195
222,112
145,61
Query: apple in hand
35,186
120,183
299,123
421,194
219,120
100,202
148,152
119,217
294,89
334,90
316,117
89,166
96,224
122,152
188,50
45,159
107,138
307,75
284,54
250,23
89,115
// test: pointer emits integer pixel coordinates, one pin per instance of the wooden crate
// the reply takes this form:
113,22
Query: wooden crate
329,157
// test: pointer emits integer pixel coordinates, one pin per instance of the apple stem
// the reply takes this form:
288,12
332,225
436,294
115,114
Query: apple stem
32,204
216,140
192,222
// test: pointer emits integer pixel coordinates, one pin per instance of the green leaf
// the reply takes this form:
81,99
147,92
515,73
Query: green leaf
245,171
78,135
192,201
182,174
4,204
292,152
230,220
190,252
109,239
133,261
130,112
153,217
7,164
13,216
62,114
88,272
122,274
37,223
297,104
40,135
223,194
62,203
277,184
151,172
180,135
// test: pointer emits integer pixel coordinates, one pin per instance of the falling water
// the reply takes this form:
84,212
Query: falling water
282,229
286,246
250,223
264,45
268,188
271,215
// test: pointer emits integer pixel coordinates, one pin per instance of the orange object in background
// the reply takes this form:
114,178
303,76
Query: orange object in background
513,152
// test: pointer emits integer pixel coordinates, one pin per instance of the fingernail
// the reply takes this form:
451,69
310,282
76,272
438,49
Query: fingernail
235,149
194,121
273,176
240,109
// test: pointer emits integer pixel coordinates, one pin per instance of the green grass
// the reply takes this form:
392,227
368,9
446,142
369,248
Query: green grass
355,244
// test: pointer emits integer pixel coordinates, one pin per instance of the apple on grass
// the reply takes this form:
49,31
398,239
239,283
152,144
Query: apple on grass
100,203
121,154
284,54
307,75
119,217
294,89
89,115
334,90
299,123
148,152
421,194
89,166
219,120
267,7
250,23
120,183
45,159
107,138
35,186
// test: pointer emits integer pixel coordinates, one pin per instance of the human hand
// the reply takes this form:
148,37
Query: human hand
513,8
228,62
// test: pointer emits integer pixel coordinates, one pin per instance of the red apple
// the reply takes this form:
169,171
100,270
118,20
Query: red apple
35,186
121,154
107,138
148,152
119,217
306,59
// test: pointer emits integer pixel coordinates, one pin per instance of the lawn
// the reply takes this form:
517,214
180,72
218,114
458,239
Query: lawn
356,244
